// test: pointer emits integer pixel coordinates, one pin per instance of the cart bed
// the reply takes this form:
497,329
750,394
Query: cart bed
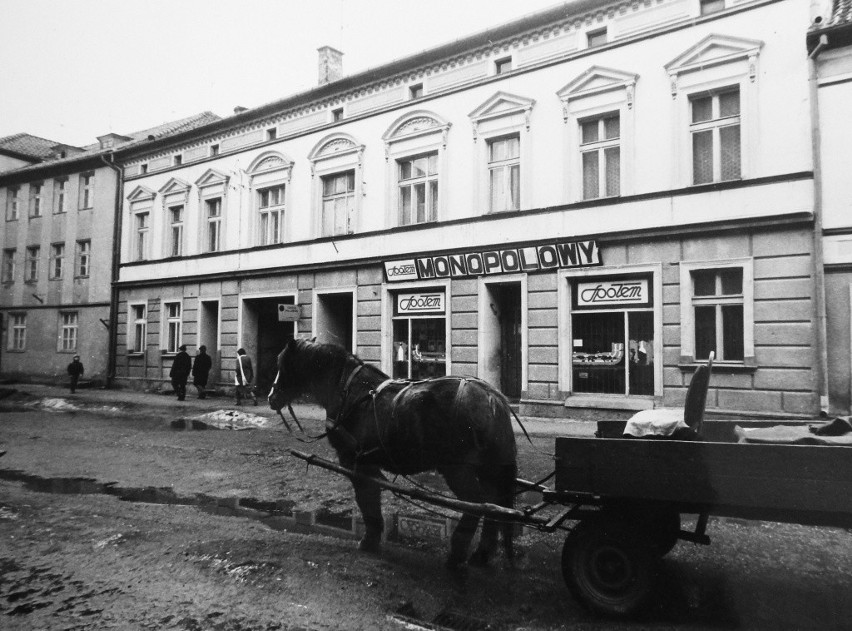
791,483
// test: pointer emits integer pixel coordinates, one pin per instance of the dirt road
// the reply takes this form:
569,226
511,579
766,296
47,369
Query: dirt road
112,519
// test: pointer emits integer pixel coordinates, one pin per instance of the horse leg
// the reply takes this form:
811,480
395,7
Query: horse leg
464,484
488,538
498,484
368,496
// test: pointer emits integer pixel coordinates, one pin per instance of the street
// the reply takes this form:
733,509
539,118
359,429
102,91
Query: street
111,518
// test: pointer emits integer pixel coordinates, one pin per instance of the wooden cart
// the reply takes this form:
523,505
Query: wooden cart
621,503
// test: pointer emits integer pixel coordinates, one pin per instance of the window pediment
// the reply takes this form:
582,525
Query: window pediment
597,80
174,185
414,124
334,145
141,194
714,50
211,177
269,161
501,104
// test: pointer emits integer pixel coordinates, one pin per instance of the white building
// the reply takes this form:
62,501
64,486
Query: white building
577,206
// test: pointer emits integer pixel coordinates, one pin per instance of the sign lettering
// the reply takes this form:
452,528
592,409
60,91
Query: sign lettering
624,292
432,302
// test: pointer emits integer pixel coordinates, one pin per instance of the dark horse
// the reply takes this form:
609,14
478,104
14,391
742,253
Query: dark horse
460,427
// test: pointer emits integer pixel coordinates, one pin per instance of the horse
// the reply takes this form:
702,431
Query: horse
460,427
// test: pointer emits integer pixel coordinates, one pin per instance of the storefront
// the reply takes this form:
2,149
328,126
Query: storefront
419,334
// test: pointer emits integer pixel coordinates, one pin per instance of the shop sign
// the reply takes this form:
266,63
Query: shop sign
423,302
288,313
607,293
504,261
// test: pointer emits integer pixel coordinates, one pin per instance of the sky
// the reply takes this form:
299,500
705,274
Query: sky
73,70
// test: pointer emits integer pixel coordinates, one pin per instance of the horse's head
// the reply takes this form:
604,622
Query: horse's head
288,383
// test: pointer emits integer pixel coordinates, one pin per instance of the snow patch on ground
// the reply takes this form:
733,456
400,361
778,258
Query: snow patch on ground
230,419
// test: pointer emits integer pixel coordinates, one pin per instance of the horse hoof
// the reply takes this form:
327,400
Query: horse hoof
370,545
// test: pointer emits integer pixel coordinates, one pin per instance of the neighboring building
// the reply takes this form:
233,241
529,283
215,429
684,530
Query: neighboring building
57,262
577,206
20,150
830,49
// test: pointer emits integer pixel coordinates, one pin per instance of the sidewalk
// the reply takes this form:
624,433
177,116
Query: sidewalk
125,398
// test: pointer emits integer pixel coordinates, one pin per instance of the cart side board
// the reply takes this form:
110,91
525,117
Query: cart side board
809,484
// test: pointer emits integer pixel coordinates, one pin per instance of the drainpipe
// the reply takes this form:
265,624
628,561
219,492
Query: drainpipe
819,262
116,249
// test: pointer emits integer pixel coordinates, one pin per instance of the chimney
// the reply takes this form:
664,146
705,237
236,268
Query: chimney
239,109
330,64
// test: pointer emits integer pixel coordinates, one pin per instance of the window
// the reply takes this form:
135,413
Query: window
12,202
504,173
57,260
59,196
143,168
338,202
214,150
87,192
271,206
711,6
271,133
337,114
177,160
213,209
173,326
83,257
502,66
717,300
418,189
139,333
175,230
9,265
17,332
35,200
600,151
415,91
68,331
419,337
596,38
141,229
31,266
715,130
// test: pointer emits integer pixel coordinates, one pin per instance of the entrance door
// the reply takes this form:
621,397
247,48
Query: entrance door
208,335
271,334
508,298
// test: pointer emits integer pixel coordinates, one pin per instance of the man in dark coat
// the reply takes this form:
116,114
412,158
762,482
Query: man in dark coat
243,376
181,367
75,370
200,369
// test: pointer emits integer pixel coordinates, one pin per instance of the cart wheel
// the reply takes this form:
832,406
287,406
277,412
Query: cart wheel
659,525
608,569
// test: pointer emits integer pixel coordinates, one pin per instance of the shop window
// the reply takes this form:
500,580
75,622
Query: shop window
419,335
613,336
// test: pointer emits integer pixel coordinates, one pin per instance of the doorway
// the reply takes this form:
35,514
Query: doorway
334,319
502,338
265,336
208,335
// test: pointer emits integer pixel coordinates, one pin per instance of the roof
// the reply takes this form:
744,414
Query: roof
27,146
90,152
841,14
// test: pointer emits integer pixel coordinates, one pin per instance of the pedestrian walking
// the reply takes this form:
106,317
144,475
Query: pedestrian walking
243,376
75,370
181,367
200,369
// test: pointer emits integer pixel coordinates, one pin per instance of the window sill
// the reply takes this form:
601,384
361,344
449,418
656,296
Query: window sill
16,350
721,367
135,354
87,208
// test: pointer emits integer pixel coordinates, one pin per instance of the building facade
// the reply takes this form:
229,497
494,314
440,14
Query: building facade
58,237
830,53
578,207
